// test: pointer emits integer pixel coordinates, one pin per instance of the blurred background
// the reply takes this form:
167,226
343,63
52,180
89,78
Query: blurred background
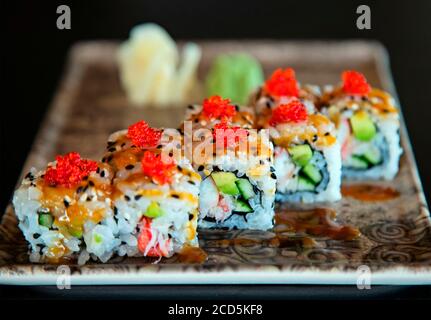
34,51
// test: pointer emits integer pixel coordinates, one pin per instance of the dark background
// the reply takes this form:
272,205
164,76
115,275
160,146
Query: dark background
34,51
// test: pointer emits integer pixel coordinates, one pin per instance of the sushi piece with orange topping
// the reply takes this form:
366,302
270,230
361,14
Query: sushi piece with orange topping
307,154
155,193
282,87
65,211
367,122
235,162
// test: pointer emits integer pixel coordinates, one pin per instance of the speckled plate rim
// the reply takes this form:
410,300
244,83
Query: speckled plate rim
150,275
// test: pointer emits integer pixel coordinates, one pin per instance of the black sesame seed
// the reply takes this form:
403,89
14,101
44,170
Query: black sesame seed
126,197
97,170
196,120
137,197
315,138
115,210
130,167
261,162
190,107
192,182
85,178
102,174
159,146
110,143
176,196
191,217
327,133
123,144
89,198
171,154
29,176
109,158
36,235
179,168
272,169
91,183
85,188
66,203
103,159
200,168
268,105
237,108
273,176
169,236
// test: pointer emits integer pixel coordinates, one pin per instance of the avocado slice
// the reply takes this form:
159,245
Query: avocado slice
225,182
245,188
153,210
242,206
305,184
373,156
313,173
362,126
45,219
301,154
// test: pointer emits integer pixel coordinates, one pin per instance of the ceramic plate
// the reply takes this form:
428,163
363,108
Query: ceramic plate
394,246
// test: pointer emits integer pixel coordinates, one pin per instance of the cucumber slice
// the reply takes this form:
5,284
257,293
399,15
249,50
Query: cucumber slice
358,162
153,210
242,206
305,184
225,182
373,156
313,173
75,232
245,188
301,154
45,219
362,126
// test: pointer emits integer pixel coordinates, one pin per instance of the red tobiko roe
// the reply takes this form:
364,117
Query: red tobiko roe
69,170
216,107
238,133
143,136
153,166
355,83
294,111
282,83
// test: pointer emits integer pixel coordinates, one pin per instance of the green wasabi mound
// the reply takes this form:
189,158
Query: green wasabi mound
234,76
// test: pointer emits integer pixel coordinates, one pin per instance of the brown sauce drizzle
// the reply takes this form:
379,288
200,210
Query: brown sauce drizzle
192,255
298,229
369,192
318,222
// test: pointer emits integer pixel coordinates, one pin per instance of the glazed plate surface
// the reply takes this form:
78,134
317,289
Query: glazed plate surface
394,246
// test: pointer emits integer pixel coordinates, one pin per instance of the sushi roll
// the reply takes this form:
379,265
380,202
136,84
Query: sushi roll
65,211
281,88
155,197
238,179
367,123
307,155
